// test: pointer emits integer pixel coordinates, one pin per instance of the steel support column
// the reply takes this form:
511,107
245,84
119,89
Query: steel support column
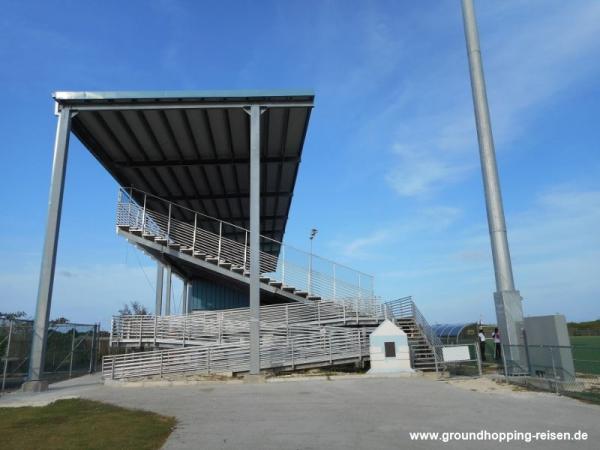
46,282
254,239
168,291
509,310
160,272
184,299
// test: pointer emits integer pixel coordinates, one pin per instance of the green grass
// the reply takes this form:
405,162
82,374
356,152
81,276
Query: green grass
82,424
586,354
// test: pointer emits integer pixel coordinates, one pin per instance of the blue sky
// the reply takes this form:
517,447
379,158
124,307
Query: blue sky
390,172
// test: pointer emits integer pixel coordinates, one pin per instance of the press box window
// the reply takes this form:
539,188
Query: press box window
390,349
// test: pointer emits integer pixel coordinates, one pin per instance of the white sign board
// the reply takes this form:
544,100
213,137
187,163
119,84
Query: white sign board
458,353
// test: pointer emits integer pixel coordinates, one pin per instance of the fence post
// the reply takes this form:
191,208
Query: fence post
330,357
344,312
184,328
208,361
92,359
194,236
287,316
220,239
293,352
72,351
144,216
319,313
112,371
7,354
505,366
245,248
155,320
334,283
141,329
161,364
359,346
169,224
220,318
554,369
478,359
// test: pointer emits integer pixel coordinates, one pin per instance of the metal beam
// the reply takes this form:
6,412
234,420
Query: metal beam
509,309
230,195
168,291
46,282
165,105
204,162
254,239
160,271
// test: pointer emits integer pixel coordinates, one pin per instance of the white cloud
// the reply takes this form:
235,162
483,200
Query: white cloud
529,59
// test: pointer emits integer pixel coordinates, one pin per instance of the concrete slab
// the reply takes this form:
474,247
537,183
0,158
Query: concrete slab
352,413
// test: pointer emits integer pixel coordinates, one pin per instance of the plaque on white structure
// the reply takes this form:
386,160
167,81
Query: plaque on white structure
457,353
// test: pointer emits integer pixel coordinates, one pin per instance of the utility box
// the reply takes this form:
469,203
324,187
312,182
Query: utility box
549,347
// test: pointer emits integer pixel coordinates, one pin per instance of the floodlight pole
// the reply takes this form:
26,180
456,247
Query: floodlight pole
254,239
509,310
46,282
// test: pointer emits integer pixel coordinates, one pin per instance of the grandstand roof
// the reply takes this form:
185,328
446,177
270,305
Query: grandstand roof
192,147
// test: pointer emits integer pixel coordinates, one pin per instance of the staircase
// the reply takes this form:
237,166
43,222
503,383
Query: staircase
195,237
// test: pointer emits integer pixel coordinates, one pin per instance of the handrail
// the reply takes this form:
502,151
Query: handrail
228,243
404,308
279,347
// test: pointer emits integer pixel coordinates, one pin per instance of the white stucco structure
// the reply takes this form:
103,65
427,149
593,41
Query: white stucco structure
389,350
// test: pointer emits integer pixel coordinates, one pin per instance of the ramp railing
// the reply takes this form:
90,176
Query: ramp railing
288,347
201,234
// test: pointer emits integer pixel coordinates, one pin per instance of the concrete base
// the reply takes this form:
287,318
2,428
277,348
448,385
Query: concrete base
35,386
255,379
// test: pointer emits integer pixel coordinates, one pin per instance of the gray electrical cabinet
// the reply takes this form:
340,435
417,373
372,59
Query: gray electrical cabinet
549,347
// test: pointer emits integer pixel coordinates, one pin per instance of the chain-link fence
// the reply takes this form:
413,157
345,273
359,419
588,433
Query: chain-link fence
71,350
458,360
573,370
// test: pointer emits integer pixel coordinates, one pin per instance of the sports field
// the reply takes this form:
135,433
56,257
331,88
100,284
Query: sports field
586,354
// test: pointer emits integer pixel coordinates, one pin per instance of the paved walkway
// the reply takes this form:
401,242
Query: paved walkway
340,414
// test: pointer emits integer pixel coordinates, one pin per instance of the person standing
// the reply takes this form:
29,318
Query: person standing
496,336
482,344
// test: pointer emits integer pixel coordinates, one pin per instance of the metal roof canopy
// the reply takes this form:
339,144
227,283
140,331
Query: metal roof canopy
193,147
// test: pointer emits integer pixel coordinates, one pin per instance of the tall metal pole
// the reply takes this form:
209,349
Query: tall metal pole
254,239
160,272
44,298
509,310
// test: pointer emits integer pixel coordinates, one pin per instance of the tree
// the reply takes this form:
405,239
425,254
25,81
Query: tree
136,309
14,315
60,320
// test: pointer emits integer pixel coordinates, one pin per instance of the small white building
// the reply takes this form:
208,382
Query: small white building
389,351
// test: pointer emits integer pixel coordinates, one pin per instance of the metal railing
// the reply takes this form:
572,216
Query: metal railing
204,235
561,369
280,347
406,308
205,327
